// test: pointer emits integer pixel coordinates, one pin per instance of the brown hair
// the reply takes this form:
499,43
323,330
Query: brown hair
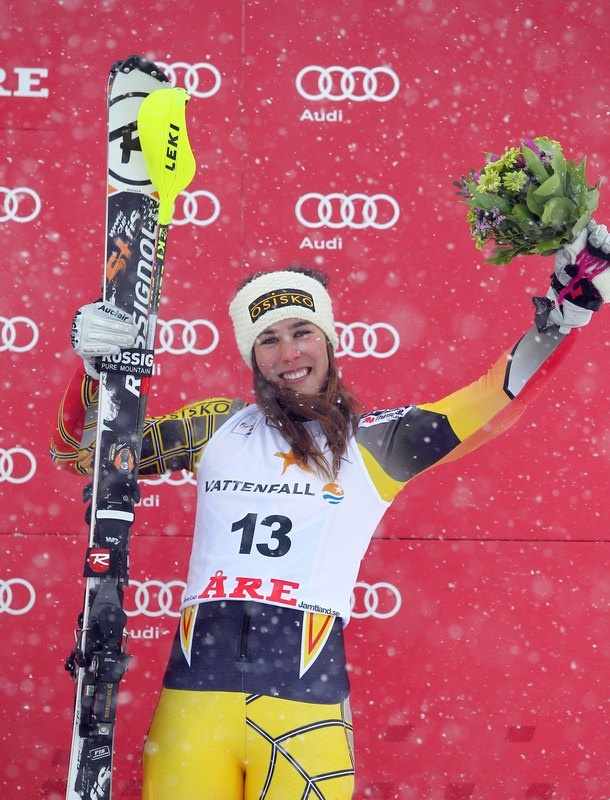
334,408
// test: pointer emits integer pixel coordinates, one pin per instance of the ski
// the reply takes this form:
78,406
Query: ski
149,162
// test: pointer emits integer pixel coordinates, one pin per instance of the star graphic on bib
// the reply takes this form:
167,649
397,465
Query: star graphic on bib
291,460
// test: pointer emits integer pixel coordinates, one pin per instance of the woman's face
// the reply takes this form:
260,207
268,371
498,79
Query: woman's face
292,353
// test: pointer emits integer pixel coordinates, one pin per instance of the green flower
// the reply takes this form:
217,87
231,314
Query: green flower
527,200
490,181
508,159
514,181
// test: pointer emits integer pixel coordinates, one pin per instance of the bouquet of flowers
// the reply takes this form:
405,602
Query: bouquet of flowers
528,200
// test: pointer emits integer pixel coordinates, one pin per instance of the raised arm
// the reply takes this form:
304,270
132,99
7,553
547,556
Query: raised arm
398,444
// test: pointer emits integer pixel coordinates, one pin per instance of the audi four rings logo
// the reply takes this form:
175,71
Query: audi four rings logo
172,479
355,211
155,598
17,465
17,334
357,339
200,80
347,83
199,208
19,205
17,596
180,336
380,600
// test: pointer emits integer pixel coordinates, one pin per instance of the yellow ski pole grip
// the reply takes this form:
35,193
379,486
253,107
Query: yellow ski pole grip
166,147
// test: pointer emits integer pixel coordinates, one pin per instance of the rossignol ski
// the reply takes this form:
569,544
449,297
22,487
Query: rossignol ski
149,163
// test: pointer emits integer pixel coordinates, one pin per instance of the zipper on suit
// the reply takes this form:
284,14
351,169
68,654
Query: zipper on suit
242,653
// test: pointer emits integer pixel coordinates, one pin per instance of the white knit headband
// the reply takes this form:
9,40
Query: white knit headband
275,296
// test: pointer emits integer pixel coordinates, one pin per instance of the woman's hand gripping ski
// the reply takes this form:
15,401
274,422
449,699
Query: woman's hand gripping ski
100,329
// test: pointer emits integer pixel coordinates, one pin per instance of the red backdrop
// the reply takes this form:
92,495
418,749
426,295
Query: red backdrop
478,650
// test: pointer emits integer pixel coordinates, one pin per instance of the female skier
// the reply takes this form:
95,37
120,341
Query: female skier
290,489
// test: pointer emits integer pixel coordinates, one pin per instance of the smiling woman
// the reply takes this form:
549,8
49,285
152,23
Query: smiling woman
293,353
290,490
293,361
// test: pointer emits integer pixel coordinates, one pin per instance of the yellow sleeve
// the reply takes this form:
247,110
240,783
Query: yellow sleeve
398,444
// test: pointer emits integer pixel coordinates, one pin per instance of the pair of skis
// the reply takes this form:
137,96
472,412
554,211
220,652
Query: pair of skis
149,163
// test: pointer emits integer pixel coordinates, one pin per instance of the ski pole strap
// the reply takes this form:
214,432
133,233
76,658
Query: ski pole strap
588,266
